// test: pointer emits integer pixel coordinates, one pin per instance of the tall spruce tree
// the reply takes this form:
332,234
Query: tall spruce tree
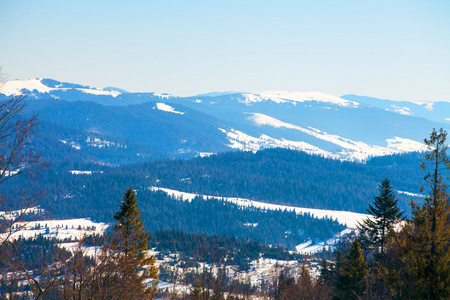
352,275
385,212
137,267
425,248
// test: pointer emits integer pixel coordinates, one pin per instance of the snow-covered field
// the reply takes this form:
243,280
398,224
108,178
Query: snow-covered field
73,229
167,108
349,219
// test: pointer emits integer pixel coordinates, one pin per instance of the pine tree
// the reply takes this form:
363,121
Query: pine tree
386,213
306,285
137,267
425,248
352,275
326,275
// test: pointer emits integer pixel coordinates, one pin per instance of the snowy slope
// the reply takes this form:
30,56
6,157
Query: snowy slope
349,219
335,127
23,87
73,229
167,108
293,97
434,111
352,149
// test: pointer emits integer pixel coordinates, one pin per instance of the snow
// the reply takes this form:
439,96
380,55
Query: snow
77,172
73,229
7,173
99,143
402,110
163,96
309,248
428,105
405,145
11,215
167,108
411,194
14,87
351,150
73,144
205,154
349,219
100,92
283,97
245,142
361,150
267,269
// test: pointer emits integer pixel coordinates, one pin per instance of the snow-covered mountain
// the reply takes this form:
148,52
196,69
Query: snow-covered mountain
43,88
435,111
317,123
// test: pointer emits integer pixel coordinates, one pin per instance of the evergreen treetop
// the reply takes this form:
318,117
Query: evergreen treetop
352,274
425,246
385,214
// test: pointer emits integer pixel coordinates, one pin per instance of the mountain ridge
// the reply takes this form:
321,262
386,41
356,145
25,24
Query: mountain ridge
185,127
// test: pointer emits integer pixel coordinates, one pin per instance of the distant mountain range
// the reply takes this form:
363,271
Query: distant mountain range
144,126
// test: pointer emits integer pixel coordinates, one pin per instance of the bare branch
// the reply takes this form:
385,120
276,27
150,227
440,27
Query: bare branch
16,155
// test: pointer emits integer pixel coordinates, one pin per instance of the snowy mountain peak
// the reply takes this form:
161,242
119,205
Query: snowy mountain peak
43,85
15,87
284,96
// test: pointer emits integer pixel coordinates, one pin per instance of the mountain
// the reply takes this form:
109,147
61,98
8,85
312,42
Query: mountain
102,141
43,88
316,123
435,111
175,130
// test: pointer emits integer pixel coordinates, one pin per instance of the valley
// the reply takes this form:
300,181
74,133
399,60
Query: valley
267,182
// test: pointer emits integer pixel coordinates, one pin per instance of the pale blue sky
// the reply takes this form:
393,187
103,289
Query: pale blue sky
389,49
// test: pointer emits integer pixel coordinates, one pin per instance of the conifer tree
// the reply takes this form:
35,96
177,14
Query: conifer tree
352,276
386,213
137,266
306,285
326,275
425,248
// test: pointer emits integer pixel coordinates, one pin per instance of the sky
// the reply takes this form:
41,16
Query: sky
389,49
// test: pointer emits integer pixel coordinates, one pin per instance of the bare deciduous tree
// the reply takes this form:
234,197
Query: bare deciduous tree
17,158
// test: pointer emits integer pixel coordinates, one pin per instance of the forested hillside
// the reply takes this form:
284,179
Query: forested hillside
274,175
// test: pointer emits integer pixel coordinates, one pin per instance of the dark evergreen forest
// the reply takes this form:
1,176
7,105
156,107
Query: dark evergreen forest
274,175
